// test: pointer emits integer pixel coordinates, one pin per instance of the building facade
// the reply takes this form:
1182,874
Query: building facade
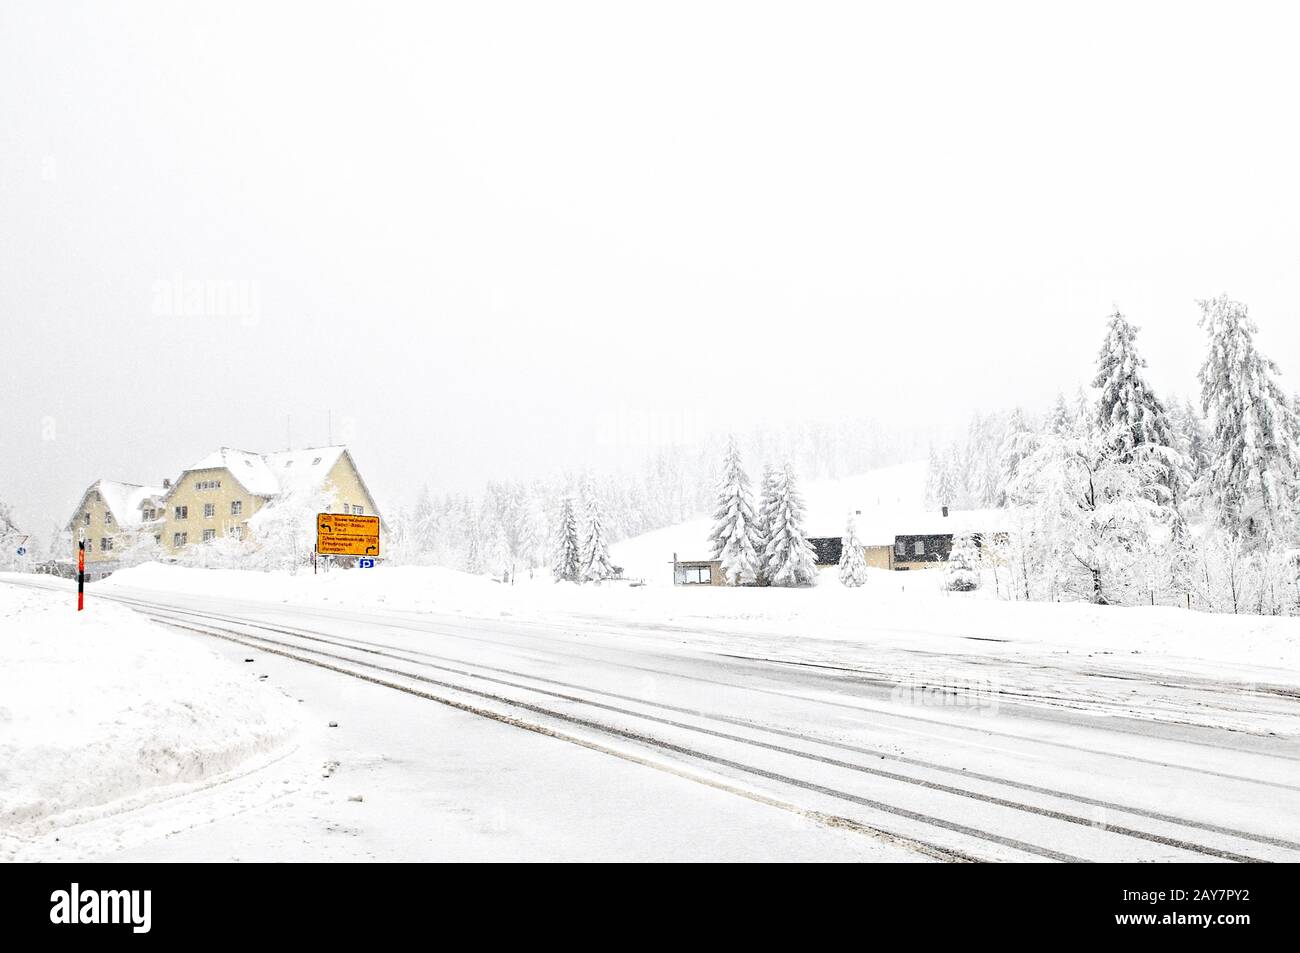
216,497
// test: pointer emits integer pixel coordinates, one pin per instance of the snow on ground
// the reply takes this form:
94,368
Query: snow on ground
102,710
902,610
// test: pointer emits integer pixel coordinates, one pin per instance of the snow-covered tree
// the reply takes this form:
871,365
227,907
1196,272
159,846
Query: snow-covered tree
567,566
9,538
1085,412
853,558
982,441
283,533
1128,408
961,572
1254,459
945,490
595,548
1017,443
1192,440
788,559
768,497
735,530
1087,516
1061,417
933,477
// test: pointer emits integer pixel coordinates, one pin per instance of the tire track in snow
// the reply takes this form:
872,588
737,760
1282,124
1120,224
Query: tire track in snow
261,644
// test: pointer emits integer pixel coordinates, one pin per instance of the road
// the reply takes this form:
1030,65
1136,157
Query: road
504,738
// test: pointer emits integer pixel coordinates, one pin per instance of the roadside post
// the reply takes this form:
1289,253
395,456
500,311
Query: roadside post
81,571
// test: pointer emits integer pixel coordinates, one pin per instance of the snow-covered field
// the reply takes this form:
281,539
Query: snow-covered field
103,711
828,623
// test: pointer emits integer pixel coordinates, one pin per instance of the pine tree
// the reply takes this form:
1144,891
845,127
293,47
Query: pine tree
1189,431
933,477
1061,418
735,529
595,549
789,559
568,552
9,538
767,501
1085,413
961,572
1254,458
978,480
1128,409
474,556
853,559
945,491
1017,444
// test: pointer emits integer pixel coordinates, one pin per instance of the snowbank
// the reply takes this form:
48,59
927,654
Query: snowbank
900,610
103,706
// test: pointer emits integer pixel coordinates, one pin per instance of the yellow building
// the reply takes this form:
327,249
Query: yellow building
221,493
114,519
215,497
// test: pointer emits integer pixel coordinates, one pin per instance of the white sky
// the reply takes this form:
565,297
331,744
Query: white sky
498,239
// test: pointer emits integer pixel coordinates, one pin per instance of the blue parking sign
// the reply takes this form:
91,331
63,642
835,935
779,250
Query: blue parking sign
366,563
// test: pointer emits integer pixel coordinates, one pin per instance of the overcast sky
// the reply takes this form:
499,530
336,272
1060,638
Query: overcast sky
495,239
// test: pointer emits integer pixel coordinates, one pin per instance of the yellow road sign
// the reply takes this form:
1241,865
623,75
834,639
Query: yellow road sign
338,534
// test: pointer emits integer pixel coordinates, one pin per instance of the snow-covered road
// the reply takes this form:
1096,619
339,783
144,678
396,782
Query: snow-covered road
506,738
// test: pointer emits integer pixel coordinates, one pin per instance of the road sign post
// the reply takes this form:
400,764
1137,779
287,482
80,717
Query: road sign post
340,534
81,574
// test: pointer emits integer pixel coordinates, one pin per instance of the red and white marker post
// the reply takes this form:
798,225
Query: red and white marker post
81,574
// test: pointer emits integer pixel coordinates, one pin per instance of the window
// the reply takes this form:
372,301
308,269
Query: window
358,511
209,510
182,513
105,544
346,508
179,539
236,507
157,538
918,547
209,535
90,544
900,547
148,514
108,518
693,575
86,520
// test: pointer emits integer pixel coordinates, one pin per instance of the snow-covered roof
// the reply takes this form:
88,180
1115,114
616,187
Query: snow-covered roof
124,500
270,474
879,525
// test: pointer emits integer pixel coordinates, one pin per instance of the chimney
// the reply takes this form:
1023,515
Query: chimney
167,484
945,511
